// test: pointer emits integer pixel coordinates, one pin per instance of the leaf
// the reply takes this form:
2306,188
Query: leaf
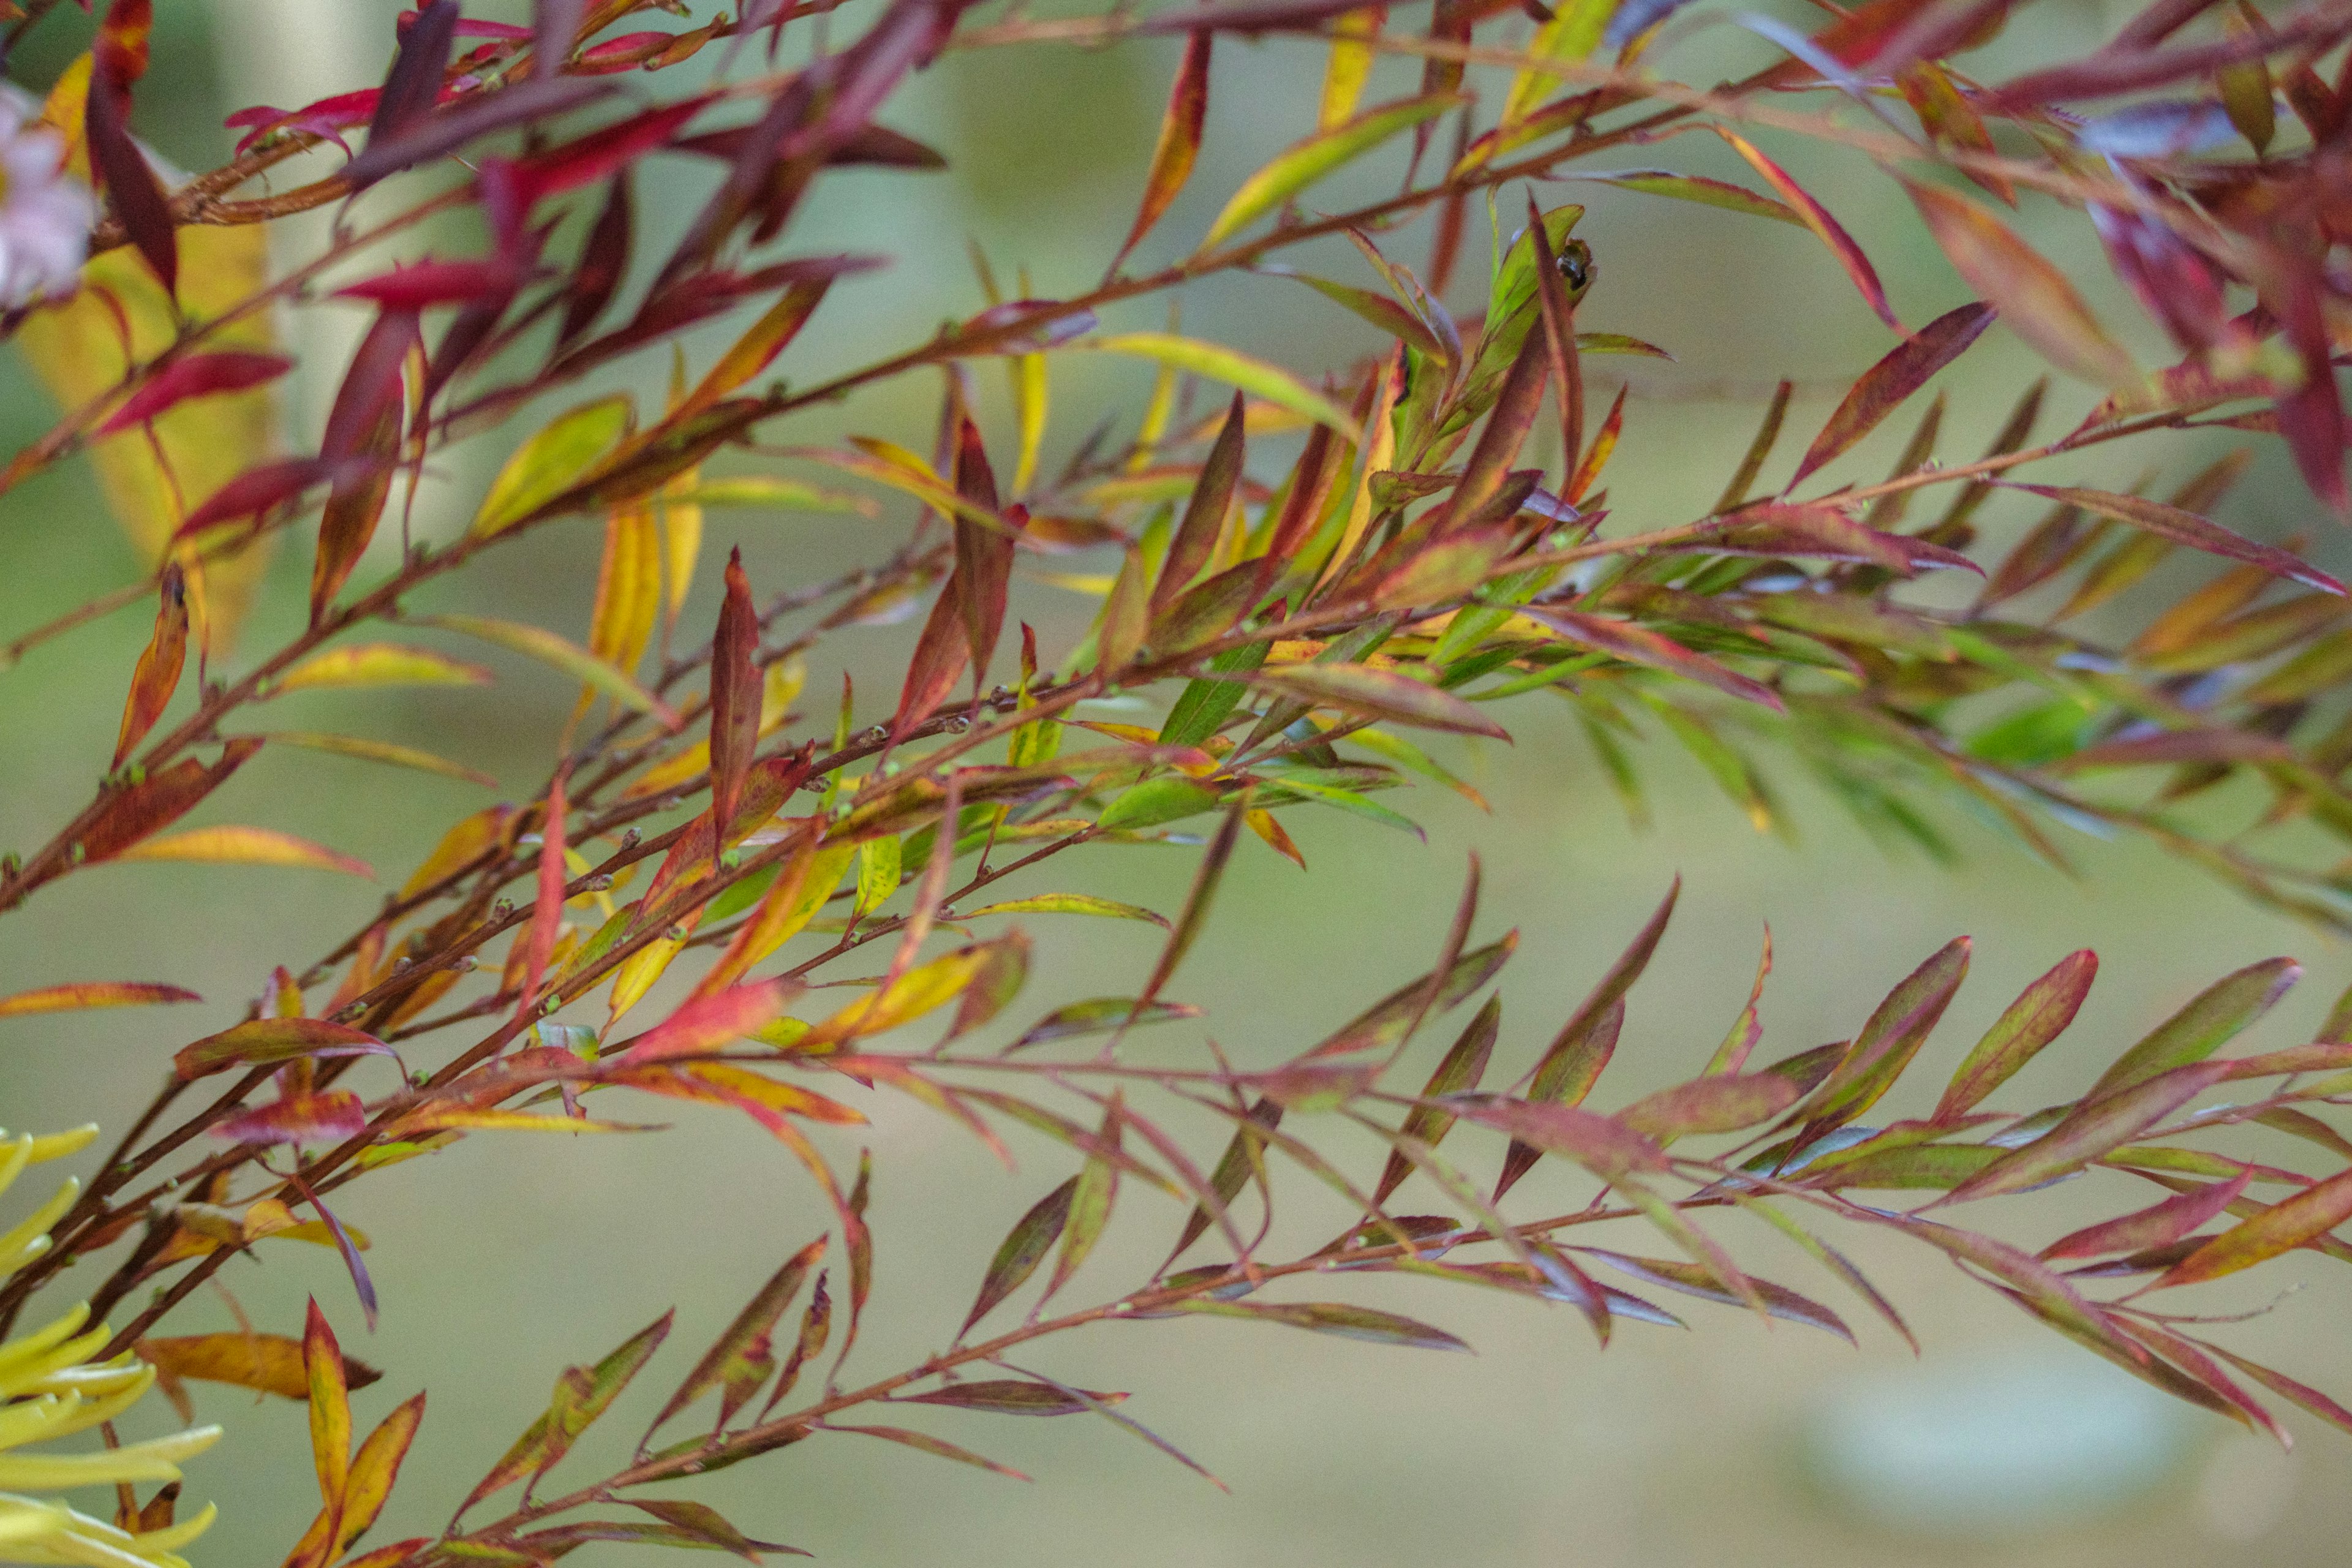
1383,694
1602,1144
1203,522
2284,1227
2182,527
131,188
1895,1031
1157,801
552,462
762,491
2208,1022
378,664
922,1442
157,674
1306,162
1179,141
1696,188
2099,1125
1885,385
267,1363
2159,1225
1024,1248
2032,296
375,1470
1255,376
80,994
1464,1065
1093,1199
2039,1015
262,1042
567,658
706,1024
757,349
81,347
1336,1318
1638,644
246,846
738,1362
1383,1025
1722,1103
1693,1279
582,1395
1009,1396
1242,1154
1100,1016
734,693
1825,228
1066,904
383,751
330,1408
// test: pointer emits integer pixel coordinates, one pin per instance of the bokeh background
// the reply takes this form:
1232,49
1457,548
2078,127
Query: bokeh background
500,1263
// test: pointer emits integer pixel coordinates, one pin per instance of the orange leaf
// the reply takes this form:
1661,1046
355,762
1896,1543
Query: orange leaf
2032,296
1180,139
246,846
158,672
91,994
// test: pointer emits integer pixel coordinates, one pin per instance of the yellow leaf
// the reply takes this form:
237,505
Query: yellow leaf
917,992
1254,376
384,751
537,642
1349,67
267,1363
637,973
379,663
1572,34
75,347
246,846
750,353
553,462
461,846
628,590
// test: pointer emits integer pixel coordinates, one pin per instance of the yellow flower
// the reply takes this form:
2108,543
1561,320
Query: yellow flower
48,1389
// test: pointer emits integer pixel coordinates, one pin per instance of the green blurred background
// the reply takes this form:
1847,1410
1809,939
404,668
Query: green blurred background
501,1262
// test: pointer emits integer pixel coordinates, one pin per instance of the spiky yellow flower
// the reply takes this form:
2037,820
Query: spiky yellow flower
48,1389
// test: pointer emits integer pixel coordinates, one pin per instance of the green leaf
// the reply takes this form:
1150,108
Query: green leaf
553,462
582,1395
1254,376
1696,188
535,642
1024,1246
1066,904
2208,1022
1155,800
1304,162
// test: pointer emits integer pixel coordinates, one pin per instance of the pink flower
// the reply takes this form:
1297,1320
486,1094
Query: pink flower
45,213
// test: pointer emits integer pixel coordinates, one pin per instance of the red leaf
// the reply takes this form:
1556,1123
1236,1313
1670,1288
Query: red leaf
432,282
604,260
984,554
130,184
258,489
1885,385
325,1118
1817,218
704,1025
413,83
134,814
602,153
2187,528
1179,141
1640,645
1205,514
194,375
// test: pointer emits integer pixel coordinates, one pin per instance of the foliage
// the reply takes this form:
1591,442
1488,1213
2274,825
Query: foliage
1405,571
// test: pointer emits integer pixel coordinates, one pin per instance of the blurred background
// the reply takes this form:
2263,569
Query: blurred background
500,1263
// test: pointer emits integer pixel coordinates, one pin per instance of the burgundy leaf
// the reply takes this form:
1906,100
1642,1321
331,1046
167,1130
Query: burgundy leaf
194,375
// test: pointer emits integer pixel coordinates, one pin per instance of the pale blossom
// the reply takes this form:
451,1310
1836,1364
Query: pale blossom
45,213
